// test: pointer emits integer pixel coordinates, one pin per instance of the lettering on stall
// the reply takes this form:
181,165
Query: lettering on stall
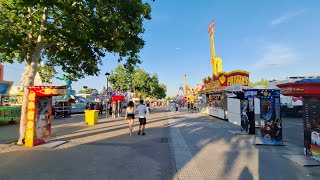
238,79
213,85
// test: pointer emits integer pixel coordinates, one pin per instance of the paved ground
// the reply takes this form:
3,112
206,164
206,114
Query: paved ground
177,146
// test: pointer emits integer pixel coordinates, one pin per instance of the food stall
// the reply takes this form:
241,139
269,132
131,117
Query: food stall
309,89
215,93
270,116
10,108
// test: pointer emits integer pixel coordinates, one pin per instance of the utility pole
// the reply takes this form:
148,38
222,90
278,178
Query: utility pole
107,98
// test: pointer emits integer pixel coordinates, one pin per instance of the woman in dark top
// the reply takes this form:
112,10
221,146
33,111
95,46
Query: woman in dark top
130,116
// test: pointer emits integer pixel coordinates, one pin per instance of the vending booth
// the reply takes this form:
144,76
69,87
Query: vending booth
239,112
270,116
216,94
116,105
309,89
39,113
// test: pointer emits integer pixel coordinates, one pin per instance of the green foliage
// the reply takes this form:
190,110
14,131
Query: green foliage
170,98
119,79
138,81
74,35
262,82
85,91
46,73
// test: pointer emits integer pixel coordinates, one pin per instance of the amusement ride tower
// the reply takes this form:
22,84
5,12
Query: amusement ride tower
216,62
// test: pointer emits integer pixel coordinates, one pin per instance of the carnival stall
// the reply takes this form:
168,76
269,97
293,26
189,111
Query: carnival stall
61,107
238,111
309,89
117,105
10,107
39,115
270,115
215,92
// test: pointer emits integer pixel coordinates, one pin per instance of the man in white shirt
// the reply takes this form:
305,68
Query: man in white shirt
142,110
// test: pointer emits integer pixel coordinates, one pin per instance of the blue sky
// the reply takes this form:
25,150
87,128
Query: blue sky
268,38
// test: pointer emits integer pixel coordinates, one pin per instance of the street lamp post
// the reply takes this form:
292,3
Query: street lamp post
108,99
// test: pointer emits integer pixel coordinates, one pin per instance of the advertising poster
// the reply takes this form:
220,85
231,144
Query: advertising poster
43,118
271,128
244,116
311,125
251,116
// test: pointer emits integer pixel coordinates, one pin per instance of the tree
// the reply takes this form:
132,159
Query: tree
262,82
46,73
139,81
74,35
170,98
161,91
119,79
85,91
157,90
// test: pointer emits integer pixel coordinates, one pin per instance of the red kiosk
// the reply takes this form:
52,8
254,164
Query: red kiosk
116,105
309,89
39,113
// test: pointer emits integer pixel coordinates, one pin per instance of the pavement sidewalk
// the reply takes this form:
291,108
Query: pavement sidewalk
181,145
205,149
103,151
10,132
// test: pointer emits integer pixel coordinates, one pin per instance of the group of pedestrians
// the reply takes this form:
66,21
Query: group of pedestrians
130,116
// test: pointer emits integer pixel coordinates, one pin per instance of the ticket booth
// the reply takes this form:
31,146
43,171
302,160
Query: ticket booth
39,113
309,90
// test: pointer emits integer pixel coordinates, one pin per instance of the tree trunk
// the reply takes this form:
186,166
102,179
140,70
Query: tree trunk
32,67
31,71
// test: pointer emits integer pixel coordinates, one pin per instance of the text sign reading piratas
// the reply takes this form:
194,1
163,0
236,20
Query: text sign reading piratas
227,79
238,79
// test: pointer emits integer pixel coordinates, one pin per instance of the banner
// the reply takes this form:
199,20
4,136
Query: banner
43,118
271,126
224,79
10,113
244,116
311,119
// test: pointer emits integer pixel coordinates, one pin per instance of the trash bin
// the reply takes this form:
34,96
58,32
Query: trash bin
91,117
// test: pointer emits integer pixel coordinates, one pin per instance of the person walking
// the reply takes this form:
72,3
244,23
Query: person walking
130,116
142,110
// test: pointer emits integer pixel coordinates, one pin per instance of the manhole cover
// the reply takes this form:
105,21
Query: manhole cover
164,140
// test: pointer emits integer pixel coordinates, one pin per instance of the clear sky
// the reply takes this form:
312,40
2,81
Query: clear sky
268,38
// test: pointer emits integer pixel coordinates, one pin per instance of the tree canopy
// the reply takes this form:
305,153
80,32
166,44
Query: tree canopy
85,91
262,82
139,81
74,35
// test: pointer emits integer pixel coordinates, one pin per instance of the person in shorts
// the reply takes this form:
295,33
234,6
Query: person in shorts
142,110
130,116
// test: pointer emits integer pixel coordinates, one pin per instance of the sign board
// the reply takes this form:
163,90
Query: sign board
311,120
10,112
5,87
224,79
